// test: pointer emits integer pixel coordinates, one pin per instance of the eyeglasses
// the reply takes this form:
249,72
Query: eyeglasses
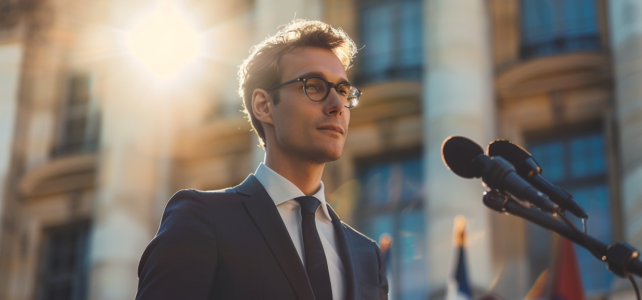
317,89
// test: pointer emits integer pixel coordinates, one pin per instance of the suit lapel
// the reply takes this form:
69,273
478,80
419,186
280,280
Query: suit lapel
266,217
345,254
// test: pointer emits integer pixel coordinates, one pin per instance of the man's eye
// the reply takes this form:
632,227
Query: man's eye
311,88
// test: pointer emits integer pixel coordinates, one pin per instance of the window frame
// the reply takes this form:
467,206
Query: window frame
601,37
395,209
82,261
396,71
91,128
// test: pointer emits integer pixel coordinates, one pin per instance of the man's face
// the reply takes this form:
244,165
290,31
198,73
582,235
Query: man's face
315,131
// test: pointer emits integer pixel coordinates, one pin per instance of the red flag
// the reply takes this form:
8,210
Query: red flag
567,279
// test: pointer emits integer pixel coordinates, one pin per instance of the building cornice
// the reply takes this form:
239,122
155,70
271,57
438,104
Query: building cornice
551,73
62,174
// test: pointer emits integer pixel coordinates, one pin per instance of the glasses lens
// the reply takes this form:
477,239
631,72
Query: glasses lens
316,88
349,94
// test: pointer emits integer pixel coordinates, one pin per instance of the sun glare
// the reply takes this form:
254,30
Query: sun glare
164,41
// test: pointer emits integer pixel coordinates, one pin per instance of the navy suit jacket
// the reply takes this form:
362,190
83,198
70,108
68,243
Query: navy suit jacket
233,244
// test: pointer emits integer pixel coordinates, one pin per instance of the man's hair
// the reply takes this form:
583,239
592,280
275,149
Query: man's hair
261,68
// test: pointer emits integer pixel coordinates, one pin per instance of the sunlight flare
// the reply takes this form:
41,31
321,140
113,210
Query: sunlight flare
164,41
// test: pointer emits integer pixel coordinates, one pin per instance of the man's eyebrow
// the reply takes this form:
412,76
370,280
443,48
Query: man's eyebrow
319,74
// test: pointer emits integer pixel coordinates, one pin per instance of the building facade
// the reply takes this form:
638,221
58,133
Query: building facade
95,138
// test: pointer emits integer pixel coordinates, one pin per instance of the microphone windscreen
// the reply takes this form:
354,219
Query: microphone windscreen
511,152
458,153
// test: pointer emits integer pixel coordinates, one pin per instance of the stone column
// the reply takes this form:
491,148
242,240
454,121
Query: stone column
11,56
137,129
626,41
10,71
130,146
457,100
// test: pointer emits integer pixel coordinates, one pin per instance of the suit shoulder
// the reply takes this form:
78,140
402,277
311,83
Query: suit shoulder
228,190
197,206
196,200
203,195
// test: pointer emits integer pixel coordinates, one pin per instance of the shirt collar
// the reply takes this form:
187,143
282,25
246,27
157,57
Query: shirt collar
280,189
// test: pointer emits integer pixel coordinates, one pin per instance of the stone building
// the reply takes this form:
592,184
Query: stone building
97,130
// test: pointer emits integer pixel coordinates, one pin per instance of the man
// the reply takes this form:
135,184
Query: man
273,236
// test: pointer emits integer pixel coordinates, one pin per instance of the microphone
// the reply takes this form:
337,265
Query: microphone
530,170
466,159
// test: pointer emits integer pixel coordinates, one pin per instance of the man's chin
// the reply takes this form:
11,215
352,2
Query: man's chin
327,155
334,158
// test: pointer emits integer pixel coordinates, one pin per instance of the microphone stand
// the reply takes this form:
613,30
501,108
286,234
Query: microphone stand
621,258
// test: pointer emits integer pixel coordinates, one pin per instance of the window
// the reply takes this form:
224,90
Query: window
79,128
557,26
64,263
391,33
576,163
391,203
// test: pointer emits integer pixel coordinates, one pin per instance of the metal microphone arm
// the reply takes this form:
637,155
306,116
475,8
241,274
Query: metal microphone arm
621,258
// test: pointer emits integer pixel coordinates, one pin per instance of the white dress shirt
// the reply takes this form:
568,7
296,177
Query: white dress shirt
283,192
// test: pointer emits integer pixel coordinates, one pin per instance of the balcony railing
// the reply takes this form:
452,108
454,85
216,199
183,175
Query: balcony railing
560,45
389,74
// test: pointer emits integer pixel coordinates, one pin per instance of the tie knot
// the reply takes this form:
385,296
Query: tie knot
309,204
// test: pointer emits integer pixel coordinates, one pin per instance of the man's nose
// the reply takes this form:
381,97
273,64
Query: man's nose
333,104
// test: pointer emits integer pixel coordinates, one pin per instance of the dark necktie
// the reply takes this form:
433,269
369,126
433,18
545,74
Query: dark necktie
315,261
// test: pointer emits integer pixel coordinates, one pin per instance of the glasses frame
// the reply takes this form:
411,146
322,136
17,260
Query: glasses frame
330,85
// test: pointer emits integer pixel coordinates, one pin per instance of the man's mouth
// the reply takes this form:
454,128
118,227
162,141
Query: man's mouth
332,128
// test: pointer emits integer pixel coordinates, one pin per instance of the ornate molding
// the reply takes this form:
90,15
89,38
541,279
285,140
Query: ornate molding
551,73
60,175
387,100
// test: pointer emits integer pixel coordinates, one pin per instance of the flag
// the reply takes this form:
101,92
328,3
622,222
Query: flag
458,284
565,282
567,279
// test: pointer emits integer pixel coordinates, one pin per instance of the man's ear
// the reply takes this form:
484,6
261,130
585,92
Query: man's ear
262,106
